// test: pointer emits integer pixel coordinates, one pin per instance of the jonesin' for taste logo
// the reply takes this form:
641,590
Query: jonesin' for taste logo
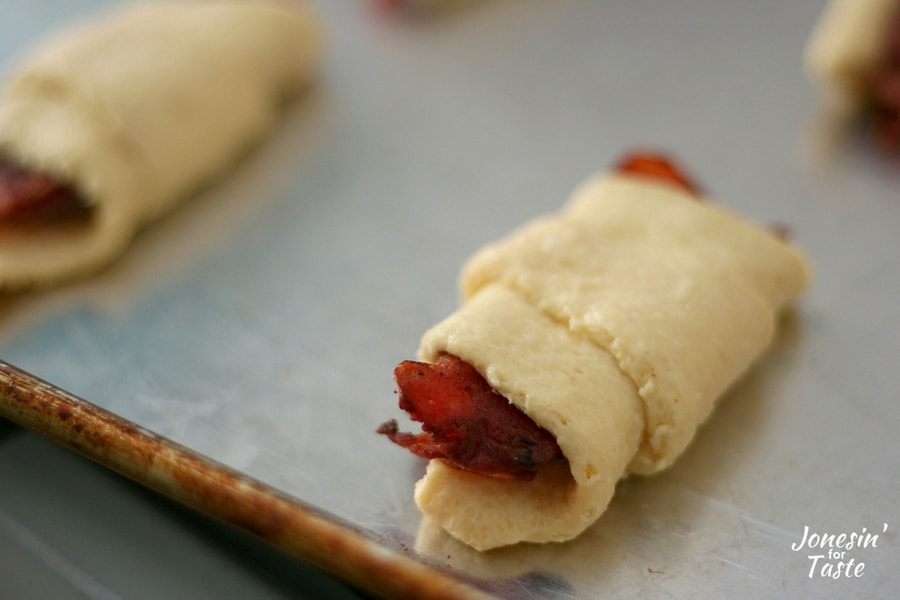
836,555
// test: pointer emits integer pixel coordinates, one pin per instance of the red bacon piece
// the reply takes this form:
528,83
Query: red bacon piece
656,165
466,423
885,91
29,196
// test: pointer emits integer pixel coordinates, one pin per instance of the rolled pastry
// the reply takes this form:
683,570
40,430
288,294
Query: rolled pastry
615,325
854,55
847,43
139,109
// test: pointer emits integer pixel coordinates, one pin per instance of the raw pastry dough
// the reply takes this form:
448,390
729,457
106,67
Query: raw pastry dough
847,42
614,324
140,109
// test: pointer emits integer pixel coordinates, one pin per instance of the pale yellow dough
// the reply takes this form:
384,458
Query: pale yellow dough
845,45
615,324
555,376
139,109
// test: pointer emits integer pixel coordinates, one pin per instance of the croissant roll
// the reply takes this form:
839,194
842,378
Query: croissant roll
853,54
117,120
614,324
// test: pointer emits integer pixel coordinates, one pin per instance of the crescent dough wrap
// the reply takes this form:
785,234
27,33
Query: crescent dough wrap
140,109
615,325
846,43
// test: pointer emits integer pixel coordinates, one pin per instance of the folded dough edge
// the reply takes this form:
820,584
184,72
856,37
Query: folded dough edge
567,385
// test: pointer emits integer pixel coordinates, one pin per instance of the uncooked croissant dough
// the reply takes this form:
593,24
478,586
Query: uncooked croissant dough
846,44
139,109
614,324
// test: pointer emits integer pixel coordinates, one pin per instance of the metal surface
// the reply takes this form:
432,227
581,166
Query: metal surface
218,491
70,528
259,325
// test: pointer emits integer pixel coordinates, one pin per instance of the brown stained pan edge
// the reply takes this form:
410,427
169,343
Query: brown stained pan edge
219,491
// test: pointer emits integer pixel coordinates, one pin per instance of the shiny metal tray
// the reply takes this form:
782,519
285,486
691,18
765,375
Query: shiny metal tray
239,357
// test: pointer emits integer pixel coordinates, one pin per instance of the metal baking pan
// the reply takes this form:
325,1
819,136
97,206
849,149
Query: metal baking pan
239,356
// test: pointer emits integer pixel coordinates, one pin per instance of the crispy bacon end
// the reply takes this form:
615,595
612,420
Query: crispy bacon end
658,166
32,197
466,423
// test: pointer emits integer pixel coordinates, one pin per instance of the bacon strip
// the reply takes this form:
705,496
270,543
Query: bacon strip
466,423
885,90
32,197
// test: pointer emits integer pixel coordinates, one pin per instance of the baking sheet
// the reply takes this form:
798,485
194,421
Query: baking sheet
259,325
